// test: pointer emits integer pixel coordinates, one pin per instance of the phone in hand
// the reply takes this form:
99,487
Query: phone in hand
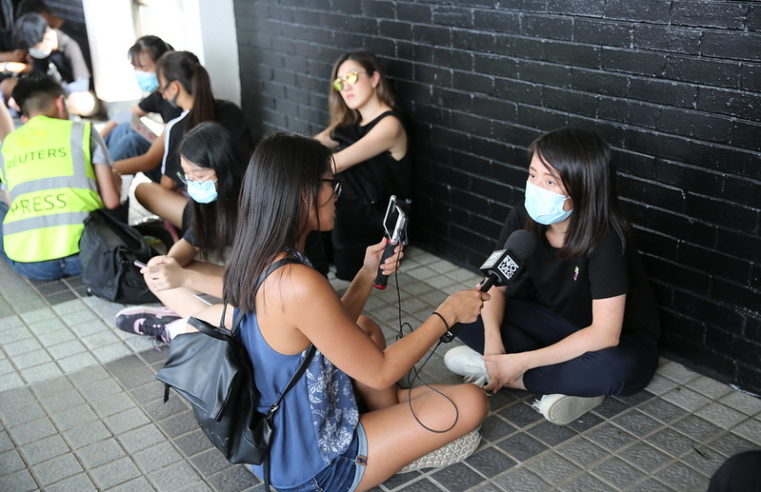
395,226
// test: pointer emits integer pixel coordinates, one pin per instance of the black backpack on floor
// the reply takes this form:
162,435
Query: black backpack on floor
107,250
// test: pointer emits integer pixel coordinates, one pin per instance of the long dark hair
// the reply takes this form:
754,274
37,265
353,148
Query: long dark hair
153,46
340,114
209,145
281,185
183,66
582,159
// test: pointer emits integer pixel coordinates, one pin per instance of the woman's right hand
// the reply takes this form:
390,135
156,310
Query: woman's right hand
463,306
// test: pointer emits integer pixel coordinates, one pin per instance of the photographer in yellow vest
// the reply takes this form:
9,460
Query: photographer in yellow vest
53,172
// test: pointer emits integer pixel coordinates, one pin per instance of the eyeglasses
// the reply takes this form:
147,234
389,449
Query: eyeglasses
350,78
335,184
185,179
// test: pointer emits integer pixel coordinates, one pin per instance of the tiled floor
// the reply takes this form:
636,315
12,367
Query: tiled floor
80,410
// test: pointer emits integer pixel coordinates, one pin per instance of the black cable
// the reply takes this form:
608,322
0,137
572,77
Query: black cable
414,373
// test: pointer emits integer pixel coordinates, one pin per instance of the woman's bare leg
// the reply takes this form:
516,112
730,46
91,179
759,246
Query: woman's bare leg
395,438
165,203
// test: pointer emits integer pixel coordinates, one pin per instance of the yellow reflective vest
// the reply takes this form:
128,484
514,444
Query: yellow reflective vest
51,182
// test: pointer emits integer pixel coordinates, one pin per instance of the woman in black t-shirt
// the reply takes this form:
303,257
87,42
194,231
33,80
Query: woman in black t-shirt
196,262
371,156
580,322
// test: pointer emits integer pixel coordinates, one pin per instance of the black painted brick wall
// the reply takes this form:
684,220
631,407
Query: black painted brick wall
674,86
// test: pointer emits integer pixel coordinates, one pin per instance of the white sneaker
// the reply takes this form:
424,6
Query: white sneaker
466,362
564,409
454,452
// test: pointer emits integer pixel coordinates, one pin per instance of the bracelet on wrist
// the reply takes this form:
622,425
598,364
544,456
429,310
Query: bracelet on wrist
443,320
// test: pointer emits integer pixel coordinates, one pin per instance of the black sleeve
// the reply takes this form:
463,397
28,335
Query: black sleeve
190,236
73,54
151,103
513,223
608,276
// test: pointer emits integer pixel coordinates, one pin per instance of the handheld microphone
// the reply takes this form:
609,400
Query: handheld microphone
502,267
395,234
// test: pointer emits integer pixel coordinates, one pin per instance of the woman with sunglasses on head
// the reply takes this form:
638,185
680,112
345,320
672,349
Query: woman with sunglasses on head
581,321
371,152
321,440
184,83
196,262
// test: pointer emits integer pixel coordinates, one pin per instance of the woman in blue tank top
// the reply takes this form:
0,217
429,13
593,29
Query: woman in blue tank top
321,440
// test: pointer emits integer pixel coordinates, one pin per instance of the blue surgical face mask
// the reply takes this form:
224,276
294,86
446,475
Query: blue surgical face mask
147,81
202,191
544,206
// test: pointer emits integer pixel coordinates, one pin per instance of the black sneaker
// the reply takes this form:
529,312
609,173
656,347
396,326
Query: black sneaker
148,321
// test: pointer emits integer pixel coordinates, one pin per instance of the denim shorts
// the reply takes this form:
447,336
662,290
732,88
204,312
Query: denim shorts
344,473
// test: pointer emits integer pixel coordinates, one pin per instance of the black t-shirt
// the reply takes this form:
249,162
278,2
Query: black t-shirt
154,103
66,64
374,180
226,114
568,287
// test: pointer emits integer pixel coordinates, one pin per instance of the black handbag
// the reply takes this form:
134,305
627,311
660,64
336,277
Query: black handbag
211,369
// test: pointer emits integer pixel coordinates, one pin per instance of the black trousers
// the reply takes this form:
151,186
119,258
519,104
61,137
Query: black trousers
621,370
740,473
357,226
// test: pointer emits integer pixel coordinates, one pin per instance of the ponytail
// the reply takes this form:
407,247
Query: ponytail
203,99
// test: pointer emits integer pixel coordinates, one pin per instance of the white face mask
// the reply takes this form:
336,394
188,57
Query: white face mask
40,53
545,206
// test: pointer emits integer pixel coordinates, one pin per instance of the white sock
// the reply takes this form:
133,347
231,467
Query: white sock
177,327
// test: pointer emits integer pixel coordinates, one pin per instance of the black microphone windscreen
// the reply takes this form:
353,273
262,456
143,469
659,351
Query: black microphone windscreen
521,243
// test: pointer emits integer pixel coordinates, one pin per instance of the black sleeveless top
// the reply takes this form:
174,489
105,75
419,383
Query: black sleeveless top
371,182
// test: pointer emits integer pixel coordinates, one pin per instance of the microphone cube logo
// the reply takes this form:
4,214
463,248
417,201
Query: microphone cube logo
508,267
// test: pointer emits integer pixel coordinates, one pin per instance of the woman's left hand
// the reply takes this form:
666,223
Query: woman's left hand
163,273
373,257
503,369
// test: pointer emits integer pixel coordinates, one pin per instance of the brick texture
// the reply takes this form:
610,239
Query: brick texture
674,86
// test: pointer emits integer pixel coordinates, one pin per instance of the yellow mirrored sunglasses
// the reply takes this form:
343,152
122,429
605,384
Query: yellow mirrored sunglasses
350,78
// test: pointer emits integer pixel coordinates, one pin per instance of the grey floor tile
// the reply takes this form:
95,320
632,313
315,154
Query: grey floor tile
421,485
127,420
582,452
115,472
159,410
609,437
585,483
729,444
746,404
19,481
43,372
552,467
521,479
158,456
671,442
23,414
46,389
21,346
707,461
661,410
398,480
173,478
709,387
697,428
643,456
44,449
682,477
522,446
494,428
113,404
76,362
457,477
637,423
150,392
62,401
210,462
14,398
611,407
490,462
552,434
636,398
5,441
100,452
66,349
101,388
677,372
15,335
686,398
10,381
617,473
89,433
585,422
141,438
31,359
77,483
721,415
10,461
520,415
139,484
57,468
750,430
651,485
193,443
55,337
179,424
31,431
89,375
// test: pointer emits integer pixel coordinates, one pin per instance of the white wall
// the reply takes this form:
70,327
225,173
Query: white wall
205,27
